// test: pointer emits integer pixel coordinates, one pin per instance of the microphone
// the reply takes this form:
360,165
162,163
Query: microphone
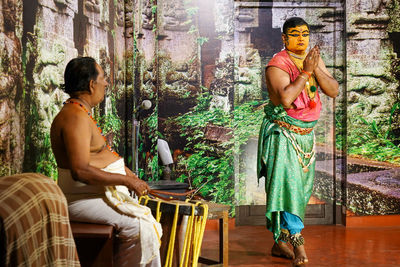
145,105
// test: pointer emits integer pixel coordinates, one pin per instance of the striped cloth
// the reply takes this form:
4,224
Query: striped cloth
34,223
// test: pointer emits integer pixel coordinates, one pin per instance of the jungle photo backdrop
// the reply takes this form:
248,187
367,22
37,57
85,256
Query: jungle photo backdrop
201,64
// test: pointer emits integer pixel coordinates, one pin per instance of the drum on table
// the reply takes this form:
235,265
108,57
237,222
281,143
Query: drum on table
183,224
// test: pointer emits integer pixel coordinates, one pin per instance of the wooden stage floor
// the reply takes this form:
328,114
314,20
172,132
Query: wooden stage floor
326,245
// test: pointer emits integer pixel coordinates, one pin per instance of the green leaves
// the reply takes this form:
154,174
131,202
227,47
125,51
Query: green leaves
46,163
191,11
210,163
150,125
375,141
202,40
154,9
111,123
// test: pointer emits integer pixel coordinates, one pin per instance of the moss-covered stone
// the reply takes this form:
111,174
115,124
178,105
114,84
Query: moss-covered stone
4,169
224,19
393,8
248,85
367,85
367,67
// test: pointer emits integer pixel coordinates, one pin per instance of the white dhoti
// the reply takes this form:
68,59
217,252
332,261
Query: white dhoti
138,232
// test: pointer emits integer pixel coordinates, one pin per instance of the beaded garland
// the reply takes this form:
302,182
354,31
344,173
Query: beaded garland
69,101
307,155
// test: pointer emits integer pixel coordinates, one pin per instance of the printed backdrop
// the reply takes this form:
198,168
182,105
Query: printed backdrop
201,64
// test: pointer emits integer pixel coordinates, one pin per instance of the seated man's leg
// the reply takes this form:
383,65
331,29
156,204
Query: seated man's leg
127,249
294,225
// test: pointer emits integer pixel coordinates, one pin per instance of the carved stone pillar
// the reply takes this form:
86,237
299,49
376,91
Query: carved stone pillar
11,90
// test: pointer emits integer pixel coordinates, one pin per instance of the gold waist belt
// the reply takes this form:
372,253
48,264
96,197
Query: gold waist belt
294,128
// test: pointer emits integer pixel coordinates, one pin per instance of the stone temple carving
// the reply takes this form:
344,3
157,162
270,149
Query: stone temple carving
147,15
174,16
93,5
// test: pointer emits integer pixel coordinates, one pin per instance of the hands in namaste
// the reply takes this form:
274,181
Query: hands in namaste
311,61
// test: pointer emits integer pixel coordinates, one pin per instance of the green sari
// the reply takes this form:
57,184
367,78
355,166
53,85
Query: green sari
287,186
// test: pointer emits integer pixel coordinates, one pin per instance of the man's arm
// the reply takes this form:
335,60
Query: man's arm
77,137
281,90
325,80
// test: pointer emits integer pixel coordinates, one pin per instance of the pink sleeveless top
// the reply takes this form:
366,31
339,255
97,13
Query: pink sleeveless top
302,111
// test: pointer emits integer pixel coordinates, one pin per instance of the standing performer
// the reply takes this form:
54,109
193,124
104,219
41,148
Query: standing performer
286,147
94,178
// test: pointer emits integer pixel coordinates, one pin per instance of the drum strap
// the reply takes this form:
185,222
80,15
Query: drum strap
171,195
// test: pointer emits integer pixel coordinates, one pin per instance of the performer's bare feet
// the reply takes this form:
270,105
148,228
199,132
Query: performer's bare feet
281,249
301,257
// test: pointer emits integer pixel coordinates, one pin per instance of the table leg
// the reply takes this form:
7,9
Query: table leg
223,239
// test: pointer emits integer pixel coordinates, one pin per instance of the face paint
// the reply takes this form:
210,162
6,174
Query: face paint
297,39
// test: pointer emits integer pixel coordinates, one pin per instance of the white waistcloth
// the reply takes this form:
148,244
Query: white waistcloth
74,190
150,230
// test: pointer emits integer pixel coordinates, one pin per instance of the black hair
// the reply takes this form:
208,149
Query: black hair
78,74
293,22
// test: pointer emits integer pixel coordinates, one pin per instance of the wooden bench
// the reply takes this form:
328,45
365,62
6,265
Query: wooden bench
94,243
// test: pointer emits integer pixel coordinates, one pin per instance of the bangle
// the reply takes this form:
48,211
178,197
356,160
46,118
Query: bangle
308,74
301,76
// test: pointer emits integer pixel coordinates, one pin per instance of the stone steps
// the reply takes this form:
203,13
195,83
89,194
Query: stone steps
372,188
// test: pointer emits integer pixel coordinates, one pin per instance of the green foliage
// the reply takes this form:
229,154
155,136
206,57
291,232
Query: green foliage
202,40
153,14
154,9
374,141
46,162
247,120
241,190
393,9
111,124
193,29
340,130
38,153
150,125
191,11
4,169
210,164
154,168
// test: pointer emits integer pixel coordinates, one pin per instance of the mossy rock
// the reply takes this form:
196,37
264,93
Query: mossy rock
4,169
367,85
393,9
373,68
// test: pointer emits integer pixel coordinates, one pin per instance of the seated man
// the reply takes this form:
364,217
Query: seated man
94,178
34,223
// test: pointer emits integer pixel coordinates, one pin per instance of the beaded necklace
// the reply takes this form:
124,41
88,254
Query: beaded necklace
295,55
69,101
311,83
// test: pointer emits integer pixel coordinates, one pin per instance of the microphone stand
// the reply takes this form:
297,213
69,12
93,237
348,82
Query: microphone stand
135,145
135,140
145,105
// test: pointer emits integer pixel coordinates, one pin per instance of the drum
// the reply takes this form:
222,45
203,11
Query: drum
183,224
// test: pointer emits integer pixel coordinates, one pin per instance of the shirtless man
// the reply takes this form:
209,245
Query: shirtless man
286,150
83,155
